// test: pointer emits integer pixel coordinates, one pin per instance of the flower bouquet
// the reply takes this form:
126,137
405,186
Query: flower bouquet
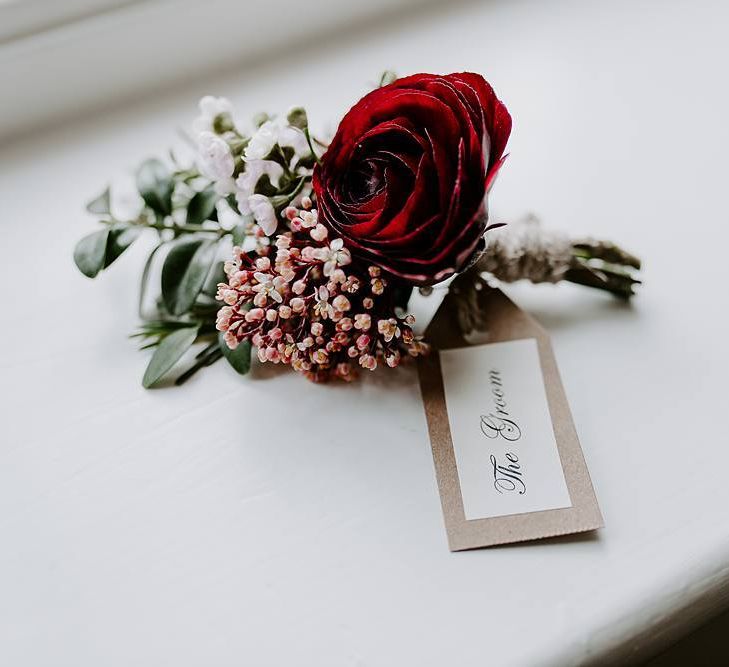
308,252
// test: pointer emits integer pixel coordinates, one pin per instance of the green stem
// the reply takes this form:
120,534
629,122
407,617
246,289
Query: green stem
143,221
188,229
604,266
311,146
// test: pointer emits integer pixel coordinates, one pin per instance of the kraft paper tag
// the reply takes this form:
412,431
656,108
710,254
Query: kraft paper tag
507,459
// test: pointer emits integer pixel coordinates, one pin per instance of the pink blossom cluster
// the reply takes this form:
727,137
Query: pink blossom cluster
303,302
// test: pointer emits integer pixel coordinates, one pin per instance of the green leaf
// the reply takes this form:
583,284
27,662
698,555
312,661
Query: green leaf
240,232
90,252
202,207
184,272
145,280
216,275
232,202
168,353
155,184
101,204
240,358
120,238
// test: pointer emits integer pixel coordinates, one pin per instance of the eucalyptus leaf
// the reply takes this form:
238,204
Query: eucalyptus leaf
168,353
145,280
120,238
90,252
155,184
174,268
184,271
202,207
102,204
240,358
216,275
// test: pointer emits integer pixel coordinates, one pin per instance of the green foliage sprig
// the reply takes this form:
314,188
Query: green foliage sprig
181,206
181,209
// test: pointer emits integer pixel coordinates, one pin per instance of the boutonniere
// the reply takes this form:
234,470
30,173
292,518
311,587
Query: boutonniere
305,253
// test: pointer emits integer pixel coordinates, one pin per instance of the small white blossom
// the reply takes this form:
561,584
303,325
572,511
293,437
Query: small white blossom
217,160
295,138
333,256
340,303
245,184
269,286
264,213
309,219
262,141
224,186
322,307
210,109
388,329
319,233
273,132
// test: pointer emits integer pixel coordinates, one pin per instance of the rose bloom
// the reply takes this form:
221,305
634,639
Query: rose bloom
405,179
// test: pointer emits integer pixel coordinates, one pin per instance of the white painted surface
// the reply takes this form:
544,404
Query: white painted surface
272,522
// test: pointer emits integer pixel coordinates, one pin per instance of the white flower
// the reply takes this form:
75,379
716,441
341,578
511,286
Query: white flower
388,329
246,183
257,168
210,109
217,160
269,286
333,256
262,210
224,186
262,141
273,132
294,137
340,303
323,308
309,219
319,233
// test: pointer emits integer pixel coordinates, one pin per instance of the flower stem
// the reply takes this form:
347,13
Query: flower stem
143,221
311,146
523,250
605,266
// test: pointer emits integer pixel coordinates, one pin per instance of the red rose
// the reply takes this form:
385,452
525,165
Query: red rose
405,179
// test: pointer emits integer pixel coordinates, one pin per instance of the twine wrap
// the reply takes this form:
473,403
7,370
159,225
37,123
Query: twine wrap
524,250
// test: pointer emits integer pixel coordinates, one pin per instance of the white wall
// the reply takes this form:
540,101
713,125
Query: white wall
57,59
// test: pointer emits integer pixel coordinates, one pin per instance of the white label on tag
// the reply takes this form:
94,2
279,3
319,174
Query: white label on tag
502,433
